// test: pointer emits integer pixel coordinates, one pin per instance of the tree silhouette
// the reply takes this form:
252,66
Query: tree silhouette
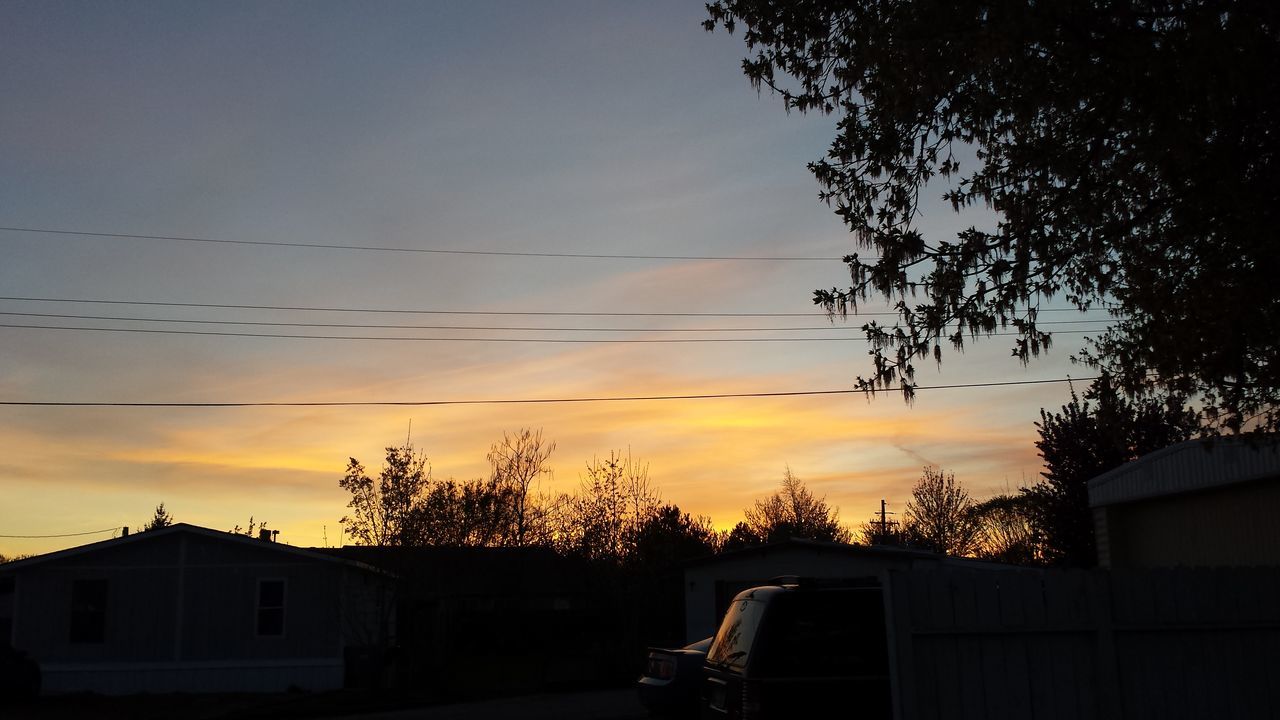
793,511
614,499
161,519
939,516
668,536
1007,532
1086,438
740,537
876,532
383,511
478,513
1128,152
516,462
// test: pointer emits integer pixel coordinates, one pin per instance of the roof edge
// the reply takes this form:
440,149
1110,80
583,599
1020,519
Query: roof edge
188,528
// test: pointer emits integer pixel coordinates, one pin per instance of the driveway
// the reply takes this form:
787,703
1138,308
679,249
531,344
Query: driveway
595,705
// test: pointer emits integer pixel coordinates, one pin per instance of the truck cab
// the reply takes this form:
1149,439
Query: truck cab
800,649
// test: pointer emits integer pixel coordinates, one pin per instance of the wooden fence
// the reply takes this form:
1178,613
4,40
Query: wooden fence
1107,644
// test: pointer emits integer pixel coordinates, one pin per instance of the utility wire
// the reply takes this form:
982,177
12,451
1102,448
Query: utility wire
404,338
62,535
529,401
366,326
431,251
450,312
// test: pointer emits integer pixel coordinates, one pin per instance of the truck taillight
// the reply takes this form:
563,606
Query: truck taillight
660,667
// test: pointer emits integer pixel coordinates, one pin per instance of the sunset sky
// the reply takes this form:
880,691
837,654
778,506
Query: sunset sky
556,127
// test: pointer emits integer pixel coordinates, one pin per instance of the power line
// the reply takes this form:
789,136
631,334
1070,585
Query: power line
367,326
403,311
429,251
405,338
527,401
62,535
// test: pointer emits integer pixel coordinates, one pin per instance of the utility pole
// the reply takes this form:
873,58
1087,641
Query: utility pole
884,521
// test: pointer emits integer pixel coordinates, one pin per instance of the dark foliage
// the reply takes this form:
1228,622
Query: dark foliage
1129,149
1007,532
668,537
740,537
477,513
1087,438
383,510
940,516
881,532
161,519
793,511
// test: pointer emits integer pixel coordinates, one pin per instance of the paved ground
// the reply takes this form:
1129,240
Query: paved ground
595,705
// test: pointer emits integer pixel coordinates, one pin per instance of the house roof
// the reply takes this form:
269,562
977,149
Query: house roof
1187,467
184,528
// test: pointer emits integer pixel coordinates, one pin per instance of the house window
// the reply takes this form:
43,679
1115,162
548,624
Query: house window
88,611
271,608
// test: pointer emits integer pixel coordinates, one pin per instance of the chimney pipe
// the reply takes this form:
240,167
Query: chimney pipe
124,532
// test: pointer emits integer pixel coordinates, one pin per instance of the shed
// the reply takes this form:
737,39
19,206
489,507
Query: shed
1197,503
711,582
189,609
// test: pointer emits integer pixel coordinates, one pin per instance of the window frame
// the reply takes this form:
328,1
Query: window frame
87,624
259,607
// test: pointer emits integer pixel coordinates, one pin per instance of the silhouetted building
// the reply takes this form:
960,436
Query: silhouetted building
186,608
1197,503
478,620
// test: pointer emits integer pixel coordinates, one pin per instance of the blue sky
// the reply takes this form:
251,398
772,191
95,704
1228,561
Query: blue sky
528,127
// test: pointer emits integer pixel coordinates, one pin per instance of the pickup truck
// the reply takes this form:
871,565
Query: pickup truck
800,650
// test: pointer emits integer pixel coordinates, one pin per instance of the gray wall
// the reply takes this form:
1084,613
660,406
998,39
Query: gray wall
1232,525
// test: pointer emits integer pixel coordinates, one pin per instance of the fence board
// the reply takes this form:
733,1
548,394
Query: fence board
927,703
1016,670
1194,648
1165,597
903,673
1107,644
994,667
973,686
947,665
986,601
1039,665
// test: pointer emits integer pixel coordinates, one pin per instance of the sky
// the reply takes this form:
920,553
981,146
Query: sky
550,127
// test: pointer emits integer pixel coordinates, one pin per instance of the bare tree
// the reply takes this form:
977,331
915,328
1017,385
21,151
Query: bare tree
793,511
614,500
516,462
940,514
